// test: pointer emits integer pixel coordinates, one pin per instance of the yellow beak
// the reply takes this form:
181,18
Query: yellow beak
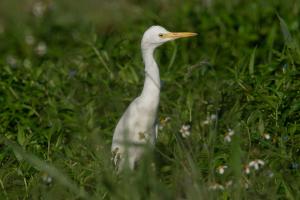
175,35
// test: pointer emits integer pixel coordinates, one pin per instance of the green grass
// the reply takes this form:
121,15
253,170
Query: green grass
58,109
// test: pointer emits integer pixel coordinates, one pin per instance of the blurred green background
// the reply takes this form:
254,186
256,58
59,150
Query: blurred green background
70,68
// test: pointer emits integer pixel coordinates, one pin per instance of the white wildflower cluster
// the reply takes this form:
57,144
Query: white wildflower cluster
185,130
40,47
210,119
255,164
218,186
228,135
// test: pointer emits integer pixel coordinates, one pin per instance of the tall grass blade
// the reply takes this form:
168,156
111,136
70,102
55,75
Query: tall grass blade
41,165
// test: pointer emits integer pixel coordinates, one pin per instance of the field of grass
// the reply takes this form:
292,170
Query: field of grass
68,70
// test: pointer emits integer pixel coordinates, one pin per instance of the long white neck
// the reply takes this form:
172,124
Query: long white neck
151,88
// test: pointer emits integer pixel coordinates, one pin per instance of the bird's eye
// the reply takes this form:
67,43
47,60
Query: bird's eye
160,35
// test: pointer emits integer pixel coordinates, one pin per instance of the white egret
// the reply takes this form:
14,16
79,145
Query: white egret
137,127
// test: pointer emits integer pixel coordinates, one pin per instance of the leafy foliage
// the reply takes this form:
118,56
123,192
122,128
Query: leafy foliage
67,74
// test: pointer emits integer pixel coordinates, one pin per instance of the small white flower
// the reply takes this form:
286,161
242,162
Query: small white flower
41,49
229,183
39,9
247,169
261,162
228,135
266,136
256,164
210,119
213,117
216,186
205,122
246,185
11,60
163,122
227,138
221,169
46,178
185,130
230,132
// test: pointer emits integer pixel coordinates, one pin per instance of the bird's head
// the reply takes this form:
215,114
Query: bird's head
157,35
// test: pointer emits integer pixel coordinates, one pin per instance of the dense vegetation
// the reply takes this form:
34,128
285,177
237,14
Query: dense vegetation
69,69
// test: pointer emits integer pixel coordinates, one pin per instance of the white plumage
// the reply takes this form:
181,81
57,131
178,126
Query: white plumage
137,126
